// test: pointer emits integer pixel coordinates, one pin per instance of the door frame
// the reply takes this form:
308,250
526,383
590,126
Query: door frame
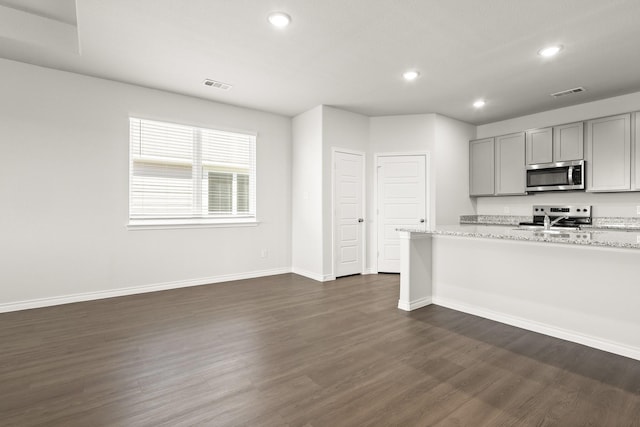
429,213
363,211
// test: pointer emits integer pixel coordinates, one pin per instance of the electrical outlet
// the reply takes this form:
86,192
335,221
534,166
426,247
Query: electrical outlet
506,209
264,253
637,210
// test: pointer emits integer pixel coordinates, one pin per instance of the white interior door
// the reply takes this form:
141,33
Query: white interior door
401,188
348,211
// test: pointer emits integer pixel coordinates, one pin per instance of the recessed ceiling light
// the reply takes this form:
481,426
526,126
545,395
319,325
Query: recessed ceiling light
410,75
479,103
279,19
549,51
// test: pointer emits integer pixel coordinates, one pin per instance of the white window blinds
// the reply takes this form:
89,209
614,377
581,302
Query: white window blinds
190,174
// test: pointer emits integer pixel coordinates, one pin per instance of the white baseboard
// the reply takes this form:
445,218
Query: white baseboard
414,305
88,296
315,276
370,271
543,328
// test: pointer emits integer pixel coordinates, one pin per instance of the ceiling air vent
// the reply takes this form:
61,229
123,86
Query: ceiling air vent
216,84
568,92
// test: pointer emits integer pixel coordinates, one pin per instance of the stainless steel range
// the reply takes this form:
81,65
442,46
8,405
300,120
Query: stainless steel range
566,217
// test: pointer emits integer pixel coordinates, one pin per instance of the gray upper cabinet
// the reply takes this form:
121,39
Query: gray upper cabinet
539,146
568,142
557,144
610,146
609,153
481,167
510,164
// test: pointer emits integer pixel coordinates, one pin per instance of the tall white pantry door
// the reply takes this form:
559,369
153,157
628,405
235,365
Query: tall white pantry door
348,219
401,183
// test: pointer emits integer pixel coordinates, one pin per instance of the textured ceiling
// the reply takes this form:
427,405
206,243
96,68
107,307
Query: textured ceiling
351,54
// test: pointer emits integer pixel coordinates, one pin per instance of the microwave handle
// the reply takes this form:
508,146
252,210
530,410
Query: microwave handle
570,175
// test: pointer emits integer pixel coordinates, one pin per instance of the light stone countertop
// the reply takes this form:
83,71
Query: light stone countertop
587,237
604,222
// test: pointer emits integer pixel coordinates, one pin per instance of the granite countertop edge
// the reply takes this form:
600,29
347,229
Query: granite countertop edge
611,227
599,223
530,237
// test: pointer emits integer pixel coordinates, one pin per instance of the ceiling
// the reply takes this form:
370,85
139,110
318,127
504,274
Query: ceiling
347,54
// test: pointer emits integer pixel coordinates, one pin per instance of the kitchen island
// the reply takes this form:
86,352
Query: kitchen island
580,286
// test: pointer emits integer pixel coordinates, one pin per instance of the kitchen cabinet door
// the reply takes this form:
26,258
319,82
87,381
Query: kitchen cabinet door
609,153
568,142
510,164
539,146
481,167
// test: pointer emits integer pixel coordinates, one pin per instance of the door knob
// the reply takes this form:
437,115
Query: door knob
421,220
360,220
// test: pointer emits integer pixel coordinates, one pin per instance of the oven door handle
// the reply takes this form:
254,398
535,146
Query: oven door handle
570,175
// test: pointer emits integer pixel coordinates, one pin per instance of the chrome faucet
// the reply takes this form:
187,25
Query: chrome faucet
548,223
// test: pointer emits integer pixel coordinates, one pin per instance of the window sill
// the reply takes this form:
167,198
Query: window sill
159,224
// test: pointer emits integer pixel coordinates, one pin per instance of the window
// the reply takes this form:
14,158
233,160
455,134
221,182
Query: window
183,175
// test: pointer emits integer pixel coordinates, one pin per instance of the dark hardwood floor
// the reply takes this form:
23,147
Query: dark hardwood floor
288,351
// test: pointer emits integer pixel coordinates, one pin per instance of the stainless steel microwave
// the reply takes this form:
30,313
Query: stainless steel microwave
556,176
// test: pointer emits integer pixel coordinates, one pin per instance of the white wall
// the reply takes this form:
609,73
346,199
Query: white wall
452,171
307,195
576,113
346,130
401,134
398,134
315,133
607,204
64,190
445,139
447,142
410,133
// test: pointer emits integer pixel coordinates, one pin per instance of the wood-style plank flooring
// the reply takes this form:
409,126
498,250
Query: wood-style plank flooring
288,351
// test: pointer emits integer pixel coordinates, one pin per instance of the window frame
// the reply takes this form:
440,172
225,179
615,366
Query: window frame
200,170
234,195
